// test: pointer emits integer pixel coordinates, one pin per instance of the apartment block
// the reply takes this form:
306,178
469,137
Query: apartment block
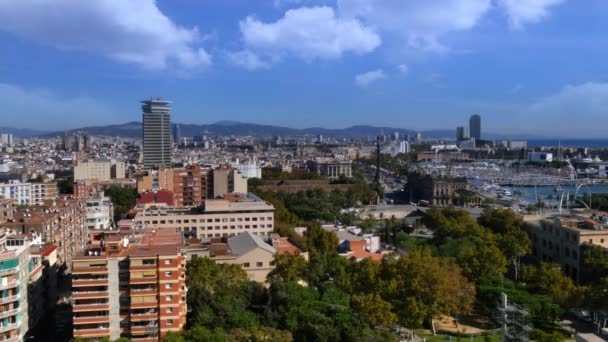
131,287
60,222
42,192
235,214
193,184
18,192
559,240
99,170
6,209
100,212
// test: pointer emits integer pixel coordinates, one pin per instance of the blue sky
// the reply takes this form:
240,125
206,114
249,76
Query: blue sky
527,66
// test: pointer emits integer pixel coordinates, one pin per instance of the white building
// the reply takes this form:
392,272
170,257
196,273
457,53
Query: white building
540,157
99,212
19,192
6,139
251,170
404,147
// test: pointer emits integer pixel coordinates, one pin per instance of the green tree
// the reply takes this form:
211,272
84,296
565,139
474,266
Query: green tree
287,268
421,287
373,309
319,240
205,273
548,279
123,200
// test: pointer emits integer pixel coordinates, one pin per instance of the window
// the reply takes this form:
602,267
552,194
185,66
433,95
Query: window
259,264
217,220
168,274
168,286
169,310
167,261
209,220
169,322
169,298
246,264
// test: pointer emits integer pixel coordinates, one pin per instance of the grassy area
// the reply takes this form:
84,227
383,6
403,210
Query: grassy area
493,337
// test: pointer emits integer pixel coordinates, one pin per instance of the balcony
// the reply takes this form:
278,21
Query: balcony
9,327
143,280
143,267
8,313
90,294
90,270
91,320
148,329
85,307
11,284
148,316
9,299
90,282
99,332
9,271
153,304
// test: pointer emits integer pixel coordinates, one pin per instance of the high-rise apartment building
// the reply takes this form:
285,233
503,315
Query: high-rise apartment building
475,127
462,133
156,132
132,288
177,136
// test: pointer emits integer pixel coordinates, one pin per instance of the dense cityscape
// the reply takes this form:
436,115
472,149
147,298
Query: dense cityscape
303,170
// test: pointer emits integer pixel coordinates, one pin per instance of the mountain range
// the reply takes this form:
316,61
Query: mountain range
227,128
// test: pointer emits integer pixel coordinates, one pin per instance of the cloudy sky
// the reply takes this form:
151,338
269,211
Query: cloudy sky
527,66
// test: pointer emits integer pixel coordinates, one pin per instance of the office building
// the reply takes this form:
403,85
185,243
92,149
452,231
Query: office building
176,134
156,133
130,287
404,147
215,218
475,127
540,157
6,139
100,170
88,143
462,133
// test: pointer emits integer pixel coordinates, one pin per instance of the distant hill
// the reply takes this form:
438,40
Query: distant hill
22,132
227,128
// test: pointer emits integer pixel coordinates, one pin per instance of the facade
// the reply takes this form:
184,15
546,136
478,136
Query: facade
475,127
156,133
133,288
42,192
540,157
251,170
6,139
6,209
462,133
441,191
560,240
19,193
99,170
216,218
332,169
193,184
100,212
60,222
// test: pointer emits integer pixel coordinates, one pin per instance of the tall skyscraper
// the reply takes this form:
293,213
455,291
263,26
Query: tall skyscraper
475,127
156,132
177,136
462,133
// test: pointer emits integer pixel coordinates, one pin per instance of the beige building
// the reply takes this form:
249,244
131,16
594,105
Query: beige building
99,170
559,240
332,168
246,249
41,192
237,214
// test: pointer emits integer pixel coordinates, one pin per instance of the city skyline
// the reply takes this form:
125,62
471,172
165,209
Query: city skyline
237,61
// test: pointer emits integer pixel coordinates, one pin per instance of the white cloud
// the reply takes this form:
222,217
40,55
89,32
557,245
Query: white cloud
366,79
521,12
574,110
133,31
41,109
403,68
246,59
309,33
421,23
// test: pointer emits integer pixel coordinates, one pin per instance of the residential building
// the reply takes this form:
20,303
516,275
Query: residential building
332,168
246,249
60,222
19,193
100,212
475,127
99,170
6,139
6,209
131,287
156,115
192,184
250,170
559,240
14,275
42,192
227,217
156,197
